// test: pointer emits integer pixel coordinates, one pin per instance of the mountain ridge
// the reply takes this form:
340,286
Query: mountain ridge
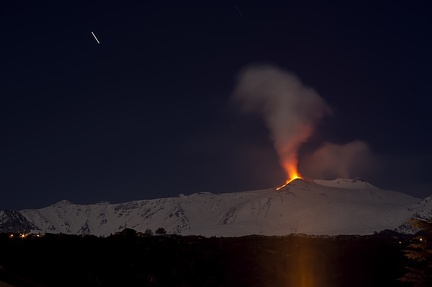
341,206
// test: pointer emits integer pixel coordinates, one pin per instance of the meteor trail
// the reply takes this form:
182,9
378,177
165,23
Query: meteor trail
238,11
95,38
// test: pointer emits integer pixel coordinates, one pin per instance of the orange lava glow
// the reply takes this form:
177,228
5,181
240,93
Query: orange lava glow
292,173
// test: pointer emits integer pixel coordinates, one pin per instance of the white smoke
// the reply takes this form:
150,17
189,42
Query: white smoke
290,108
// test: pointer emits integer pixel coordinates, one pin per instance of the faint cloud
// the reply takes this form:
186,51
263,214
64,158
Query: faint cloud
330,161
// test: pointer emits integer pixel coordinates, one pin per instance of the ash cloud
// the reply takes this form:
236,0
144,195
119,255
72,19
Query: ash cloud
289,108
350,160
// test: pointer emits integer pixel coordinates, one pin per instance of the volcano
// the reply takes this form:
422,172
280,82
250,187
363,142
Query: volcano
317,207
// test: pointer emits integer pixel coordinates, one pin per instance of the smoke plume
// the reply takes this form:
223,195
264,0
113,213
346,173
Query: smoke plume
290,108
333,160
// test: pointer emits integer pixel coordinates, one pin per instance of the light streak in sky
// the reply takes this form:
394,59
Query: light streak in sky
238,11
95,38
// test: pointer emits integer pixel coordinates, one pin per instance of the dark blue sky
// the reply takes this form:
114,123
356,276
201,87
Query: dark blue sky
146,113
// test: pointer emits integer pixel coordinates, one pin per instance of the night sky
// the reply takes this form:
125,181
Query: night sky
147,112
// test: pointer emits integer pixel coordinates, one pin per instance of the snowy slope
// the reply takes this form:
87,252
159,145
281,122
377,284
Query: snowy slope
13,221
317,207
422,211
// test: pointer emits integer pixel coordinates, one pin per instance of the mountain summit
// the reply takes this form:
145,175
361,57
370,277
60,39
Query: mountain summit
345,183
332,207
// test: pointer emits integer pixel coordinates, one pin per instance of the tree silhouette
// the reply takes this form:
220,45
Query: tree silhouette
160,231
420,253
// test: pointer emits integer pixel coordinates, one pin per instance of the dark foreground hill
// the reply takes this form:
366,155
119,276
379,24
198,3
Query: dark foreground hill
128,260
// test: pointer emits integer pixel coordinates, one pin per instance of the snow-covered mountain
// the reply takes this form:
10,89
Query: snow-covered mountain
15,222
423,211
341,206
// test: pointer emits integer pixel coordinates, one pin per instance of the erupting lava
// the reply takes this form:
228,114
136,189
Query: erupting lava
291,169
